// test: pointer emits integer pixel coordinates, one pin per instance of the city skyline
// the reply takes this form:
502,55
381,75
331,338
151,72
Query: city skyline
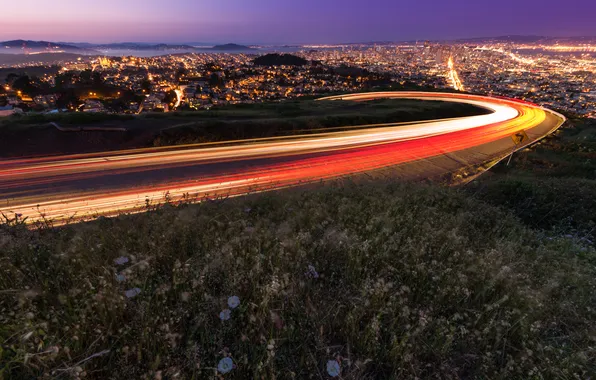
266,21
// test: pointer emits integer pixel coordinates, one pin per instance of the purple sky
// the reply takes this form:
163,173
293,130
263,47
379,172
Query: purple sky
287,21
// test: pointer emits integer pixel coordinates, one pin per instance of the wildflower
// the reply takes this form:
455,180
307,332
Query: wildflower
121,260
233,302
333,368
225,365
132,292
120,277
225,315
271,349
312,272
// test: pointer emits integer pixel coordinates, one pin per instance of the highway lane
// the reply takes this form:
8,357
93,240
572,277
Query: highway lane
86,185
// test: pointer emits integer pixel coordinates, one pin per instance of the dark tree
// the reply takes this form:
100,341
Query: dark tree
279,60
26,85
64,80
67,99
10,78
180,73
171,98
117,105
146,85
96,79
215,80
86,77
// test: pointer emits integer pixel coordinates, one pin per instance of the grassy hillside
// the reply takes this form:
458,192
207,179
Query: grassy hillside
387,280
551,186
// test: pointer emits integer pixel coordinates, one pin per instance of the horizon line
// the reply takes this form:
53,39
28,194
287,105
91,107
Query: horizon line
302,43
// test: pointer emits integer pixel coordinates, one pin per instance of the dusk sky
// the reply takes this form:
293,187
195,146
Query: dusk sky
282,21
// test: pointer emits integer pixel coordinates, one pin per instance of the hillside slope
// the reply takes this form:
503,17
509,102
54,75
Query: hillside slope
382,280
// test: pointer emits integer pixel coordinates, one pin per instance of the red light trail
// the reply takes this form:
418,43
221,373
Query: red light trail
80,187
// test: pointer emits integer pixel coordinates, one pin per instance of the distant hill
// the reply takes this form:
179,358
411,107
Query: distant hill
36,44
279,60
231,47
16,46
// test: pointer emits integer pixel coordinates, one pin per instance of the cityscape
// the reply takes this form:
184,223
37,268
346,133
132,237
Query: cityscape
556,76
389,189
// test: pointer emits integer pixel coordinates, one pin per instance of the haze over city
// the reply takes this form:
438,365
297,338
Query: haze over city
284,22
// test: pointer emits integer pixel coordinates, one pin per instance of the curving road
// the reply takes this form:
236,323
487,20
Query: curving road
80,187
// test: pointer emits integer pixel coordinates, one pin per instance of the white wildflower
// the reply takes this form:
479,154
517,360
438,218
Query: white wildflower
225,365
121,260
132,292
312,272
271,345
333,368
233,302
225,314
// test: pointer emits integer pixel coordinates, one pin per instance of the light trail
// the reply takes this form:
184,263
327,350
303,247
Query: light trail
86,185
454,77
179,95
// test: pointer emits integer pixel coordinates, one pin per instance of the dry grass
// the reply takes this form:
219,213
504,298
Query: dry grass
391,281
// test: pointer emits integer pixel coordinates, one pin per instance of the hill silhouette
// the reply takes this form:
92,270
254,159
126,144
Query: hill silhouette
280,60
231,47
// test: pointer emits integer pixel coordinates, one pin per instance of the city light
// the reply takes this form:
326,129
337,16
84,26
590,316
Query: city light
508,69
454,77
